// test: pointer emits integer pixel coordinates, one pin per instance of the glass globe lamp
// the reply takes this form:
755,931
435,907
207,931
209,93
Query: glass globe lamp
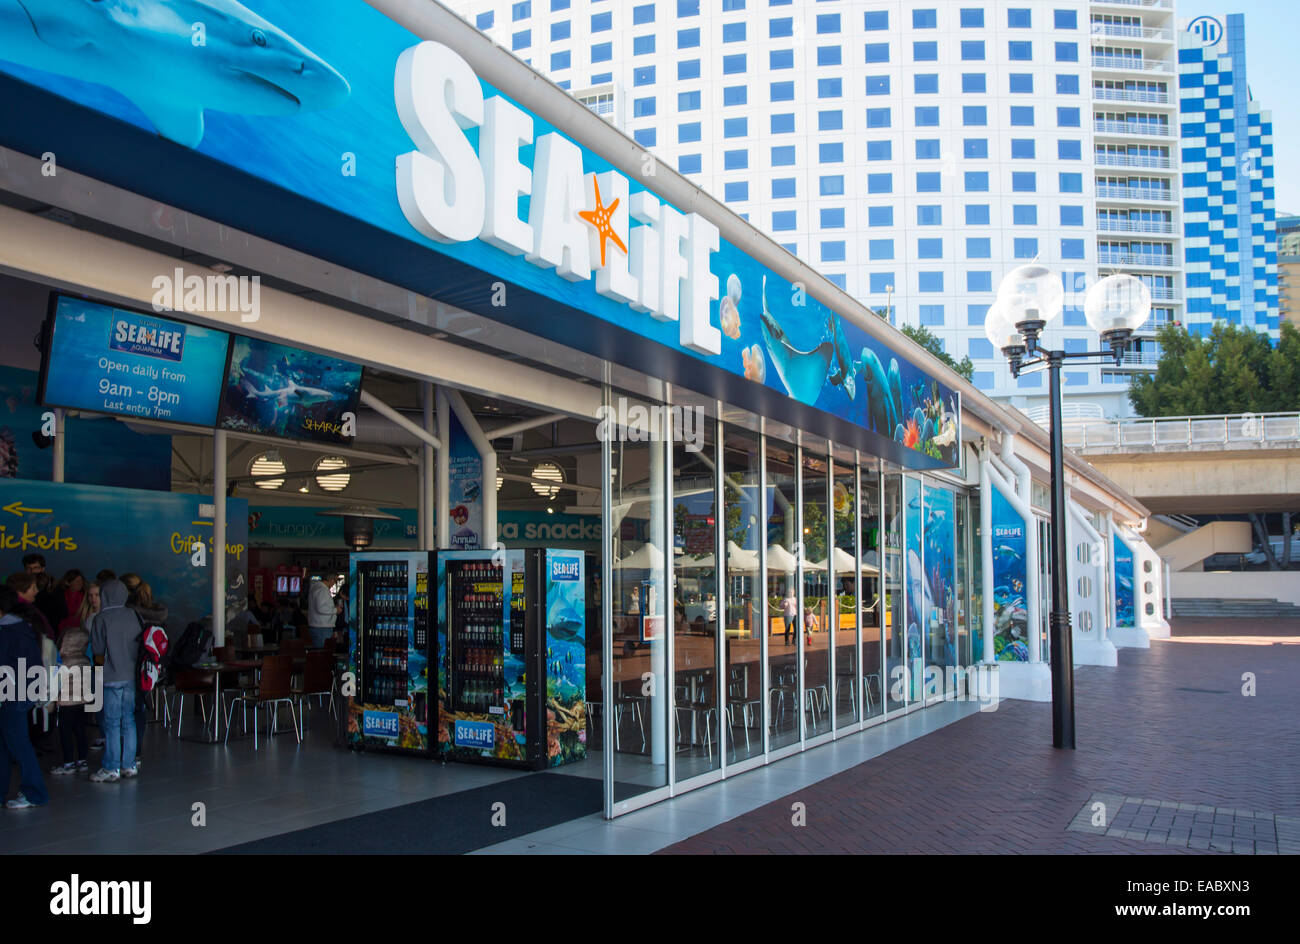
1115,307
1032,296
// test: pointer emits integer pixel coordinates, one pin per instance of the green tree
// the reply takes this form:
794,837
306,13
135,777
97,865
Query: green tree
1232,370
934,345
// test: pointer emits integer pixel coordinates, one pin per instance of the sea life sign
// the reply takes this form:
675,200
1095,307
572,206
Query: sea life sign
397,160
1010,613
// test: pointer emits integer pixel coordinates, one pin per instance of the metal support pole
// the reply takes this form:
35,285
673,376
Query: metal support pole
428,501
219,539
60,449
1062,655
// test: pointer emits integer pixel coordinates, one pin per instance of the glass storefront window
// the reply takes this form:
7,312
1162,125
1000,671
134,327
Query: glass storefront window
638,695
696,698
892,602
742,530
938,591
782,500
817,596
871,603
915,610
845,611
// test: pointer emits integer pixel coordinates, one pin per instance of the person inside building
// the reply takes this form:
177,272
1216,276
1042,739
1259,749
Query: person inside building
321,614
152,613
115,637
20,647
74,653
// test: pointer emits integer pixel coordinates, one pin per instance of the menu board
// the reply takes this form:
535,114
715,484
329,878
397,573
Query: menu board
130,363
275,390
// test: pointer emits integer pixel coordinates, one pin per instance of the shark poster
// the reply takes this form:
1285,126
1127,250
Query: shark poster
1010,615
275,390
1123,583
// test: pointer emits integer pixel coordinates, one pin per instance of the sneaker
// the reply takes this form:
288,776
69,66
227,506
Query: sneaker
105,776
20,803
82,765
129,772
97,744
63,770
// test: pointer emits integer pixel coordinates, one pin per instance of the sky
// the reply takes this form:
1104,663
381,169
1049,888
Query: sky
1272,27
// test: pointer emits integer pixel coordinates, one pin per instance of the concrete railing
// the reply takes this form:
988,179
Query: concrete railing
1187,433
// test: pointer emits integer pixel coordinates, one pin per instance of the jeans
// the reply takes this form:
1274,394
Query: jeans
141,719
16,747
319,634
72,732
119,724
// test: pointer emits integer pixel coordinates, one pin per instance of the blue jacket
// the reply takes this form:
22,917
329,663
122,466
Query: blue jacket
18,640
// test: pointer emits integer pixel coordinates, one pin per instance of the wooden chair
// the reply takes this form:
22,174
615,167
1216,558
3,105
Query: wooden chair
318,680
272,689
191,682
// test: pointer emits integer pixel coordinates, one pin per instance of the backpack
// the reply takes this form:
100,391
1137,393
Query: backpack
150,658
193,646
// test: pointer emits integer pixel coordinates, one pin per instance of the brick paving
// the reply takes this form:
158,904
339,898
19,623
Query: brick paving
1168,731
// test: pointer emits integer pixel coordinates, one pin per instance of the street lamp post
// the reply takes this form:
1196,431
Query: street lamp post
1029,298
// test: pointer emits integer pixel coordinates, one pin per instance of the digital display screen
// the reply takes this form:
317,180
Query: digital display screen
275,390
129,363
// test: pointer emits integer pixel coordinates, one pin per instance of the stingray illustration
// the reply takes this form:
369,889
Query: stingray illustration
884,392
149,50
804,373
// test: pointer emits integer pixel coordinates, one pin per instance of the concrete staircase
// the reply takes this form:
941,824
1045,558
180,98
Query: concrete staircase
1207,608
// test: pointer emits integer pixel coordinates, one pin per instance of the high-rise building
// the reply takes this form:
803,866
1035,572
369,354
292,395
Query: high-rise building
1227,168
913,152
1288,269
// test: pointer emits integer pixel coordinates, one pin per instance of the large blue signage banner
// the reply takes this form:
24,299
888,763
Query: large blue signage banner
112,360
126,530
1123,583
404,139
1010,614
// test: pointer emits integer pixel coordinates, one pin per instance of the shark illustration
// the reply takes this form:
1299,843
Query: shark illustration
291,391
804,373
172,58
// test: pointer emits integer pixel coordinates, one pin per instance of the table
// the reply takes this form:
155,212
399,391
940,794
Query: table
268,649
217,668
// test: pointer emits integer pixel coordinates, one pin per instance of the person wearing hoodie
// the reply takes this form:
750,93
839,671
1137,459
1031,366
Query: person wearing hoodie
19,643
320,611
115,636
152,613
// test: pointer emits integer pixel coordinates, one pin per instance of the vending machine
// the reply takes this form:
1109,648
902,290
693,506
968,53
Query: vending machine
511,642
388,624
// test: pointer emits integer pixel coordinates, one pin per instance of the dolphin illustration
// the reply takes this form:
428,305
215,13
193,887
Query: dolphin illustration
884,391
804,373
172,58
842,367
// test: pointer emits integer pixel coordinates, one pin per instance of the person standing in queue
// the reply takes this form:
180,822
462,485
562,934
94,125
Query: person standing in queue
115,637
321,614
20,647
74,653
152,613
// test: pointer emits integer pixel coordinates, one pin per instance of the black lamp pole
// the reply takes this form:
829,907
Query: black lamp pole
1059,632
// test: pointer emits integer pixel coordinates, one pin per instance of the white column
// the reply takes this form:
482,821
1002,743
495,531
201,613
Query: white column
1024,494
986,555
428,500
219,538
488,458
442,485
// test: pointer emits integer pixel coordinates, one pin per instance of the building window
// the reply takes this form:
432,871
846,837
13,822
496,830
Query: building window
925,83
977,214
735,127
833,251
880,216
978,281
828,55
643,45
521,40
688,101
1067,117
880,249
1071,248
925,19
977,181
782,91
643,14
1022,149
927,149
881,283
784,220
830,153
930,249
880,183
733,65
781,58
972,18
1069,150
484,20
733,32
688,69
978,247
877,117
973,82
928,182
521,11
735,95
876,20
646,137
688,132
783,156
828,23
832,218
1071,216
831,185
1022,116
1021,83
829,88
783,188
975,315
880,150
643,107
975,148
780,27
1067,85
1025,247
1019,18
877,85
1067,52
645,75
927,116
688,164
929,214
830,121
925,51
1071,183
688,8
559,60
736,191
876,52
1024,181
974,116
931,315
1065,19
735,160
972,50
783,124
560,30
1020,50
980,349
688,38
602,52
1024,214
600,22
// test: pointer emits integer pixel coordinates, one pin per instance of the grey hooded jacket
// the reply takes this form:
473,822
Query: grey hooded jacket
115,634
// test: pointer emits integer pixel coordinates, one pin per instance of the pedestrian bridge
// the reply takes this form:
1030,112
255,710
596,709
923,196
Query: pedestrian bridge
1196,465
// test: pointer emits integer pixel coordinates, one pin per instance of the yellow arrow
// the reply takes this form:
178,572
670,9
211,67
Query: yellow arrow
16,508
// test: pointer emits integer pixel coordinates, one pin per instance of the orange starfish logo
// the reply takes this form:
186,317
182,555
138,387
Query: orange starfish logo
600,218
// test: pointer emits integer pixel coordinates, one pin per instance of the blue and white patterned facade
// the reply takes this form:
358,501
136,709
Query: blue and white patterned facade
1227,182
